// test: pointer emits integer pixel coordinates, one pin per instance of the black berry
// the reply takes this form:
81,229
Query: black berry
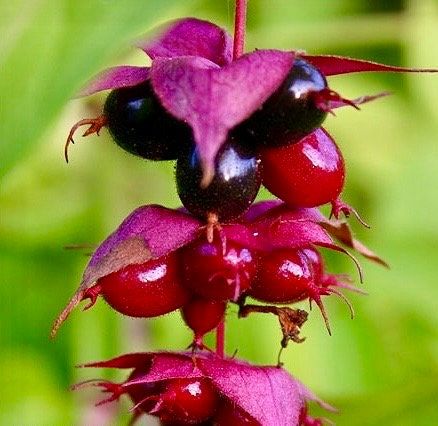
140,125
291,112
234,187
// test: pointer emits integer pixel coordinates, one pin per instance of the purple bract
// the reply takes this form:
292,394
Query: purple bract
154,231
270,395
194,77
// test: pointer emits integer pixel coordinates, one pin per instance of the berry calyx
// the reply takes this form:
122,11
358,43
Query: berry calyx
234,187
309,173
186,401
221,270
292,111
140,125
145,290
202,316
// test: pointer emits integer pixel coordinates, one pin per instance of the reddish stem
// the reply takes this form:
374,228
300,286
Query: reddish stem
220,339
239,28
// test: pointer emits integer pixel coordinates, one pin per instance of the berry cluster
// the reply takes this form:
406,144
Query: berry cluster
201,393
231,122
281,144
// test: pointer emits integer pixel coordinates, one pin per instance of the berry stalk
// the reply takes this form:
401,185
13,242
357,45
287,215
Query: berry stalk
239,28
220,338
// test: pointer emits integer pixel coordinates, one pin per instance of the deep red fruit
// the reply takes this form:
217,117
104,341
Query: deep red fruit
316,263
186,401
305,174
285,276
202,316
220,270
231,415
145,290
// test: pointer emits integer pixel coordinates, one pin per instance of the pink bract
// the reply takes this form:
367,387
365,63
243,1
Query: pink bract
196,80
154,231
268,394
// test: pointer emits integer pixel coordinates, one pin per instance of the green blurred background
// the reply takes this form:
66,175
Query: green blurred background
380,369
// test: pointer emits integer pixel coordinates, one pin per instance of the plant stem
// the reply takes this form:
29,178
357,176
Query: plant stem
220,338
239,28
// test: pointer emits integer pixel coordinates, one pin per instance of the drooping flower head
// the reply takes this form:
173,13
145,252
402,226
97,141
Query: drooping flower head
179,387
197,81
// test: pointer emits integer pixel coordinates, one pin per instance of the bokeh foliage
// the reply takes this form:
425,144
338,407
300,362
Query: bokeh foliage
379,369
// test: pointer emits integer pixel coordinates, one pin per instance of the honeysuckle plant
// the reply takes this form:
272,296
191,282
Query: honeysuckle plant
232,121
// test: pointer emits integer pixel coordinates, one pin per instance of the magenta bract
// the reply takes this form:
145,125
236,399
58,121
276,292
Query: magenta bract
270,395
195,79
154,231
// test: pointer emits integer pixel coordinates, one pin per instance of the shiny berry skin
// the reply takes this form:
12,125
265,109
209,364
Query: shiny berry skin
230,415
203,315
291,112
218,271
306,174
315,261
234,187
186,401
140,125
284,276
146,290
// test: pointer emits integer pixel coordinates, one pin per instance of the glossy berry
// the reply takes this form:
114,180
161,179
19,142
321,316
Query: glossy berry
186,401
229,414
287,276
234,187
203,315
218,270
291,112
306,174
145,290
284,276
315,261
140,125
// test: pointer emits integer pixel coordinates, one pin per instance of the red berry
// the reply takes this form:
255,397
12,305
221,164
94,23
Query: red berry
145,290
305,174
186,401
285,276
229,414
220,270
202,316
315,261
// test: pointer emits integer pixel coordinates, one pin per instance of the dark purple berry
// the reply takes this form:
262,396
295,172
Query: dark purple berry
234,187
140,125
291,112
